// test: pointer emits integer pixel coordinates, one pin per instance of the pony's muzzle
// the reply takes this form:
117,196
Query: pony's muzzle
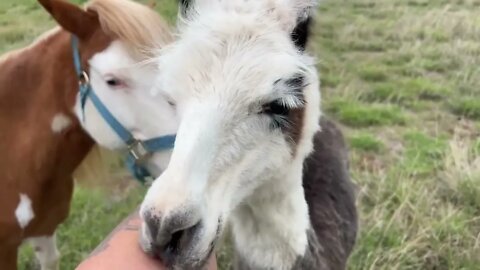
169,238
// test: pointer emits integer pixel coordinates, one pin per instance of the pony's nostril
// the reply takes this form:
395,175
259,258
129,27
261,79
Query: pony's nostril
179,236
153,224
175,242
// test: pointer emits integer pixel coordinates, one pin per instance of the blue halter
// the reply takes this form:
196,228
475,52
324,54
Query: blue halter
138,150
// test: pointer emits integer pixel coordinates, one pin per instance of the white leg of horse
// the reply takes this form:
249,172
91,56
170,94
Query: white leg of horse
46,251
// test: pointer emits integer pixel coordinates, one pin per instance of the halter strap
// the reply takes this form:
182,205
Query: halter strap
138,150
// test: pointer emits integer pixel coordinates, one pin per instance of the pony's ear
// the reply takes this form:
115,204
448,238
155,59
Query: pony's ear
71,17
301,33
295,16
290,13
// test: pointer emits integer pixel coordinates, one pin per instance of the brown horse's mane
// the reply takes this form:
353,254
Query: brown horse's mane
136,25
140,28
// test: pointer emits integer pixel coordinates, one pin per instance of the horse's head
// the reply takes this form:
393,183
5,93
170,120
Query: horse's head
248,104
114,37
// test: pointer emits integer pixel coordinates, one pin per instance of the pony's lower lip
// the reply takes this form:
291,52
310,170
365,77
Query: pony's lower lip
174,260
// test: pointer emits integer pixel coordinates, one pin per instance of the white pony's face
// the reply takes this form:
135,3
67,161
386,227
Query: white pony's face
124,85
240,88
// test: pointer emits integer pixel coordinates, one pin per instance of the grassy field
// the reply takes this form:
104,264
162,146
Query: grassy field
403,79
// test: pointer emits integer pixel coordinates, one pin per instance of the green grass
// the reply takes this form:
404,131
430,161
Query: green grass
405,73
372,74
467,106
363,115
423,154
365,142
406,91
403,79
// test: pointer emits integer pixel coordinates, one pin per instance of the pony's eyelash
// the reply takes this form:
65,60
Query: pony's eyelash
277,112
279,121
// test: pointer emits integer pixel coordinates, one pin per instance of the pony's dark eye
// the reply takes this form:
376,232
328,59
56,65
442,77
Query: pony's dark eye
278,113
276,107
114,82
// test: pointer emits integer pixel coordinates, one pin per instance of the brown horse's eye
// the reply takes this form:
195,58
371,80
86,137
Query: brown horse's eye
114,82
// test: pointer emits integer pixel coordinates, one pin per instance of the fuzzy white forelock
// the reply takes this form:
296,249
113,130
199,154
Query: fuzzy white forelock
286,12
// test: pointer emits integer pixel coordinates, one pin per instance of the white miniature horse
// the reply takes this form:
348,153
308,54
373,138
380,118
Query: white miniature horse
250,151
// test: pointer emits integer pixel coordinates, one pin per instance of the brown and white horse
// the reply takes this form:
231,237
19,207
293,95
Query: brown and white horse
42,140
251,150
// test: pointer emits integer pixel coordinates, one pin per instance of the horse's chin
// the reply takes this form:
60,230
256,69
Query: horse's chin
184,261
189,262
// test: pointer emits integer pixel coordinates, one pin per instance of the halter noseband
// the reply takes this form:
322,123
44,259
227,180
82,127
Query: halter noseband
138,150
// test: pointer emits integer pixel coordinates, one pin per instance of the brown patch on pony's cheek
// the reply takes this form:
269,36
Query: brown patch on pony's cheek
293,131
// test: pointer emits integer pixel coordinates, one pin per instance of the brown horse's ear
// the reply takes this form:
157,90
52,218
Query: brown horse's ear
71,17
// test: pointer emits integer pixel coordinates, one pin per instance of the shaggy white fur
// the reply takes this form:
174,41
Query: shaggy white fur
229,163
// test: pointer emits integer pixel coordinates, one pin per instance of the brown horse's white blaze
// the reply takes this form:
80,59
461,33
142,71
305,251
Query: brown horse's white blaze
42,141
248,102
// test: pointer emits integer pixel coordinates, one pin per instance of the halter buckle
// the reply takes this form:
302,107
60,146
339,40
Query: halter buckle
83,79
138,150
